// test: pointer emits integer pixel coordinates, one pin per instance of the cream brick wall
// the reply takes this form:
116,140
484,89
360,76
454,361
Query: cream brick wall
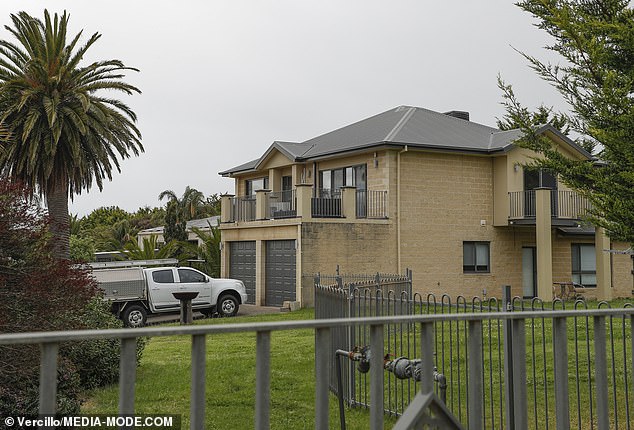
356,248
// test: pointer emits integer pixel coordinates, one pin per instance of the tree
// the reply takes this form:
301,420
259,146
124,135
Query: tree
595,38
149,250
543,115
65,299
209,250
64,136
179,211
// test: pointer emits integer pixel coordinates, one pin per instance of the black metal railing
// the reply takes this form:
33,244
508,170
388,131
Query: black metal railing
327,204
564,205
371,204
282,204
545,349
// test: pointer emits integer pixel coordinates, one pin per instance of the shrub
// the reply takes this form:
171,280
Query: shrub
42,294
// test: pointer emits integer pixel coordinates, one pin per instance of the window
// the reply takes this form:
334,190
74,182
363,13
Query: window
584,264
353,176
475,257
187,275
163,276
256,184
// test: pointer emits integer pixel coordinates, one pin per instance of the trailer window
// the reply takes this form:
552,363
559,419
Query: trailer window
187,275
163,276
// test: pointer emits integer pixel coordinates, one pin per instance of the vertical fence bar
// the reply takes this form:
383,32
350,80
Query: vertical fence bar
560,352
322,357
262,380
48,378
519,375
508,358
601,373
474,357
197,405
427,357
127,376
376,377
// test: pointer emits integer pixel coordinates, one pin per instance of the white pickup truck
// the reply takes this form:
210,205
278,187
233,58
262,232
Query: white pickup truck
136,292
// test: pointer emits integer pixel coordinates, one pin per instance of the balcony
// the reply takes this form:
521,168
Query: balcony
565,206
301,202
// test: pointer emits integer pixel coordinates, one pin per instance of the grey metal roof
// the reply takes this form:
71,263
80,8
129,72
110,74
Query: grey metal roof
198,223
405,125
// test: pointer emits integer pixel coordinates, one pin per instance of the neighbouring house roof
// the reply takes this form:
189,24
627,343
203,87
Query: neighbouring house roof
198,223
405,125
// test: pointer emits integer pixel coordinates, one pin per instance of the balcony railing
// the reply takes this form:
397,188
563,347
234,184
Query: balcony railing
282,204
371,204
242,209
327,204
564,205
302,202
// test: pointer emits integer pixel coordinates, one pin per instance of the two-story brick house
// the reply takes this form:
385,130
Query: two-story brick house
413,188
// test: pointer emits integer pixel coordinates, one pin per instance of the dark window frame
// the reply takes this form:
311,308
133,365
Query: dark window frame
249,191
472,247
345,172
575,251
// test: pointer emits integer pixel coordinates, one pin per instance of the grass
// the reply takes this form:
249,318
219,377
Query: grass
163,380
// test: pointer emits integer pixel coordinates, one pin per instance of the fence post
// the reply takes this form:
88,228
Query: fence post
475,390
560,351
601,373
508,358
376,377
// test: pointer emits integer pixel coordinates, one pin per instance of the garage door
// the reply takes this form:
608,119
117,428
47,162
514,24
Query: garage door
280,272
242,266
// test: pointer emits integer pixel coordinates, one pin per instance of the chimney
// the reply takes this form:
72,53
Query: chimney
458,114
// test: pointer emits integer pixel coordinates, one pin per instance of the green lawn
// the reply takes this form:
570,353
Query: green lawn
163,379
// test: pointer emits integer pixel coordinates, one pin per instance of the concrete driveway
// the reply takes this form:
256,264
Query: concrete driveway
244,310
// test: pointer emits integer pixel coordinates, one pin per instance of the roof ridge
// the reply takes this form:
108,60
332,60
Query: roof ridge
400,124
443,115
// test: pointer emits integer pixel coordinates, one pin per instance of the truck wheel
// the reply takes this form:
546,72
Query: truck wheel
134,316
227,305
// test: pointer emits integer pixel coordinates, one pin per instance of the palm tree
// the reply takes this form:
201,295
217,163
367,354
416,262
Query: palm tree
65,136
149,250
210,250
179,211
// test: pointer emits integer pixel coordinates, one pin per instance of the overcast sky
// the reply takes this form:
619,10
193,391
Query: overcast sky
222,80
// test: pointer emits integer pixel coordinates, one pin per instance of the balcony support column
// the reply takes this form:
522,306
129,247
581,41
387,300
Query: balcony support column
349,202
604,267
304,196
261,200
543,233
225,207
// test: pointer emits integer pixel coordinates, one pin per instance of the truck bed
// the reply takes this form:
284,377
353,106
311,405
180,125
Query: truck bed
122,284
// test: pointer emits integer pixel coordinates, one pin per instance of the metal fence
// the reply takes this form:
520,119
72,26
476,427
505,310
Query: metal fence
327,204
282,204
564,205
371,204
608,330
525,363
242,209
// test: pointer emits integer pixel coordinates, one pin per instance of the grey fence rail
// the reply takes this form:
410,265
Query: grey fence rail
593,352
604,333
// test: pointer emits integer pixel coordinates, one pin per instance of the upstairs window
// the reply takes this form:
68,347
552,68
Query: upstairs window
353,176
475,257
256,184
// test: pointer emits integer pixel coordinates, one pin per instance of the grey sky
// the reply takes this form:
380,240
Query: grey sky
222,80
